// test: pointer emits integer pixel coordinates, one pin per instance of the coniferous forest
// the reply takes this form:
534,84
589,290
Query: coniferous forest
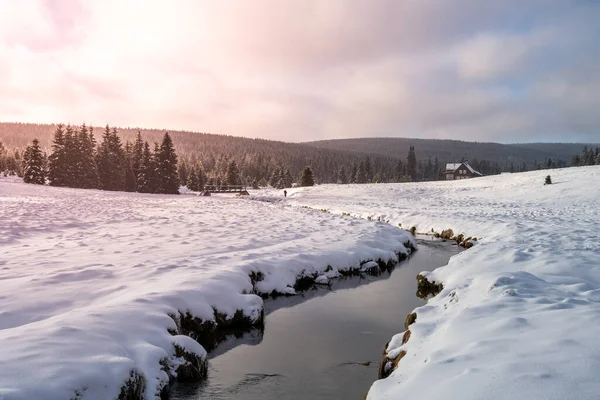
78,161
145,160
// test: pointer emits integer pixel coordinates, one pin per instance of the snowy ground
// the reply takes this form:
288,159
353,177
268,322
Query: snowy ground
519,316
88,278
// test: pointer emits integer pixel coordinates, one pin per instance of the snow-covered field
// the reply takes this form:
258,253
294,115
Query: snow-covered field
88,278
519,315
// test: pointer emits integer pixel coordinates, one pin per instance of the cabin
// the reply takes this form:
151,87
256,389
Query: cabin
460,170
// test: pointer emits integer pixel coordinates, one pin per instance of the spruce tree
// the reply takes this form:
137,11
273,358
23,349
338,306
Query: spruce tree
167,167
368,170
411,164
277,178
306,179
130,177
111,161
361,173
145,178
87,168
33,164
184,171
71,158
137,156
353,172
342,179
57,160
399,171
2,157
193,182
288,180
233,174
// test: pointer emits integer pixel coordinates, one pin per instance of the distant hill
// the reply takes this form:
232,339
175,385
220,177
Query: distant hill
455,150
259,159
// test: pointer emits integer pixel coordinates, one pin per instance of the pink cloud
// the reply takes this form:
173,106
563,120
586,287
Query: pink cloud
303,70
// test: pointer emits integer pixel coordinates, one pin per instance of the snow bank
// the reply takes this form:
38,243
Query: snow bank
97,286
518,315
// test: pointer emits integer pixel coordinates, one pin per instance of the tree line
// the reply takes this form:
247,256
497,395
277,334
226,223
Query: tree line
77,161
588,156
207,159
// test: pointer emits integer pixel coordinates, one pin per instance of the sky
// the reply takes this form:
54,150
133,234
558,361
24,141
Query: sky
299,70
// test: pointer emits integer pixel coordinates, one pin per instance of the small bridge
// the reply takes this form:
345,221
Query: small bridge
225,189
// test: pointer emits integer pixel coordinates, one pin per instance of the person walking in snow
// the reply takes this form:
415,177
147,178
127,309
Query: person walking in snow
285,193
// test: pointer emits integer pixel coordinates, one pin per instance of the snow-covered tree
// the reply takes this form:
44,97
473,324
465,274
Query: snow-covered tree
342,179
361,173
145,177
353,173
233,174
57,161
33,164
87,170
167,167
411,164
111,161
306,179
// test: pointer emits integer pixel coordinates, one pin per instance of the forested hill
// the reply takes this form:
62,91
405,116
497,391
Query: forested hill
256,158
455,150
382,159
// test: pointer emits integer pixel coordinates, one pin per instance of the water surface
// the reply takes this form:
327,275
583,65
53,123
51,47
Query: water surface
314,343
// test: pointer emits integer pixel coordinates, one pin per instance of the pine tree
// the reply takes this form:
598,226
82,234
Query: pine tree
411,164
71,158
2,157
361,173
399,171
111,161
33,164
167,167
138,155
193,183
57,160
342,179
87,168
184,171
288,180
277,178
591,159
306,179
130,177
233,174
145,179
353,173
368,170
201,177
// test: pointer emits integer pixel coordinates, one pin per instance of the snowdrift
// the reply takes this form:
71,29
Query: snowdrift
518,314
102,292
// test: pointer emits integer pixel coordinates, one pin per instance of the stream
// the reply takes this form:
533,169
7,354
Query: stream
325,343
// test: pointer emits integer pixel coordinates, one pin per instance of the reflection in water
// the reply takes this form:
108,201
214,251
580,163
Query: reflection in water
323,344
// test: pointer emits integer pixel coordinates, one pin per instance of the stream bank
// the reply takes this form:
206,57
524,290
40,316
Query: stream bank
324,343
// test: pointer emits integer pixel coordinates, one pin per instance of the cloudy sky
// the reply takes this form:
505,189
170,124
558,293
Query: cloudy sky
299,70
